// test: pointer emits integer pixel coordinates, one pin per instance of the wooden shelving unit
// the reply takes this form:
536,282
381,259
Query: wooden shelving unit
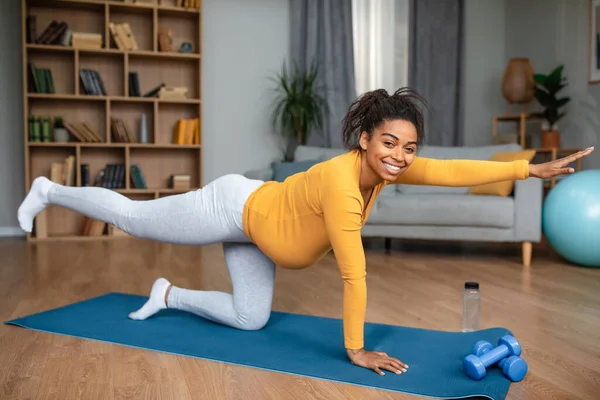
521,122
549,154
158,154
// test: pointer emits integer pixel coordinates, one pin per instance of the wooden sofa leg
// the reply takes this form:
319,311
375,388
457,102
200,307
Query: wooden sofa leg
527,249
388,245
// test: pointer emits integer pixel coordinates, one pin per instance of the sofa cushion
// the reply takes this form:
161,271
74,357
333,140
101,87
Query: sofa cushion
455,153
281,170
443,209
503,188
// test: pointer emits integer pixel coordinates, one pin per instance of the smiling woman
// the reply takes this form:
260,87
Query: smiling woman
388,129
293,223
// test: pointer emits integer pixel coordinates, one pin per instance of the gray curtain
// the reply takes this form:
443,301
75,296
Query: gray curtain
435,66
321,31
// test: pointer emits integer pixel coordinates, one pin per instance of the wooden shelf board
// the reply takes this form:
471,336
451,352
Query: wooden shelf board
164,54
516,117
91,97
154,191
118,4
65,96
151,100
69,4
558,151
82,238
104,51
117,145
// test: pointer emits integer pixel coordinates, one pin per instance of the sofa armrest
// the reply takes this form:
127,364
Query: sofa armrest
264,174
529,198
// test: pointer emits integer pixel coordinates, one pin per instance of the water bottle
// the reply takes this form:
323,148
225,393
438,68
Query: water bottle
471,317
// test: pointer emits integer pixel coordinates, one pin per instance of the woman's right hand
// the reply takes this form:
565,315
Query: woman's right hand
376,361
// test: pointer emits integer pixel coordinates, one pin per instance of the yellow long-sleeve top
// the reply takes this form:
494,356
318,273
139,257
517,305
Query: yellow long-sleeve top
298,221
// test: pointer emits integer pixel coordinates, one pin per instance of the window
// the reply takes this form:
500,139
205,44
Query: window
380,35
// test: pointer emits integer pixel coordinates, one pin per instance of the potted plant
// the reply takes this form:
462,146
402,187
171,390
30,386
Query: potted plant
546,93
60,132
298,106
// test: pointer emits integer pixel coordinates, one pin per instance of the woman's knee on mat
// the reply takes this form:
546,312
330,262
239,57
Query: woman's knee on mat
252,320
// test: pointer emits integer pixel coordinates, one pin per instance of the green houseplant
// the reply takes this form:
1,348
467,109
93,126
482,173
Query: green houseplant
299,108
546,93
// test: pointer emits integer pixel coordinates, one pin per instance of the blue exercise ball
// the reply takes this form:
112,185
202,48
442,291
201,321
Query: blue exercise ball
571,218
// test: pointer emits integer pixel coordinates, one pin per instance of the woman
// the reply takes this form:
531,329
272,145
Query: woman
293,223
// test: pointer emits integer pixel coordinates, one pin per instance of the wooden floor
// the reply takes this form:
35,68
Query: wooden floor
553,309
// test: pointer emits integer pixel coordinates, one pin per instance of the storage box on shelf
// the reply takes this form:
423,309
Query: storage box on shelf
112,98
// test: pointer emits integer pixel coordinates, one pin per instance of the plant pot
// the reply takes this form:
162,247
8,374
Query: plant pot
551,139
61,135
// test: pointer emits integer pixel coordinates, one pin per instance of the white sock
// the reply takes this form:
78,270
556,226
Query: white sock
155,303
35,201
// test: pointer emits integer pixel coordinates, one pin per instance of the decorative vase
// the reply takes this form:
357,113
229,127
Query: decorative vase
518,86
143,129
551,139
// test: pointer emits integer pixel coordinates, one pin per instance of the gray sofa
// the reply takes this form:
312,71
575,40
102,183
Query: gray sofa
446,213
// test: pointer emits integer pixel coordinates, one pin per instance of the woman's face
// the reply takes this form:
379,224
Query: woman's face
391,149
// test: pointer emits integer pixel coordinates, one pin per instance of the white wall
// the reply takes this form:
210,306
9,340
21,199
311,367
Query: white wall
243,44
484,62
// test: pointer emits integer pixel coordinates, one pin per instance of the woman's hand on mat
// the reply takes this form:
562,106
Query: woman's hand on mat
377,361
557,167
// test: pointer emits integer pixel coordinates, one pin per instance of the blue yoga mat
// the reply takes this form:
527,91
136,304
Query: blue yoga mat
290,343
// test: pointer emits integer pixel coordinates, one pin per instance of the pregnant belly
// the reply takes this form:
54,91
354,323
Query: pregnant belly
295,253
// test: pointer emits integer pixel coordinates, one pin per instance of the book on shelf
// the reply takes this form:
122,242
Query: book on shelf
31,32
39,80
85,174
122,36
39,128
165,39
91,82
180,181
137,178
112,176
93,227
189,3
134,84
57,32
63,173
83,132
187,131
134,87
119,131
86,40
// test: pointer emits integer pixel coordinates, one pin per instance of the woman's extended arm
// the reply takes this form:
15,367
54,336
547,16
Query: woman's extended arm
429,171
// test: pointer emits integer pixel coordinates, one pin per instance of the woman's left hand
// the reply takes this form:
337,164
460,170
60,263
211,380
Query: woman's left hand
557,167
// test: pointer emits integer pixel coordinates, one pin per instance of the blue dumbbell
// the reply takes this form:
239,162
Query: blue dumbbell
475,366
513,367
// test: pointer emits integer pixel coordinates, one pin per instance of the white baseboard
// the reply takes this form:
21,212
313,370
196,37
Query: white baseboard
11,231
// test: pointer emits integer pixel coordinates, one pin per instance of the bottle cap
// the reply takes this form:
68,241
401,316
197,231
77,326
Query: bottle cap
471,285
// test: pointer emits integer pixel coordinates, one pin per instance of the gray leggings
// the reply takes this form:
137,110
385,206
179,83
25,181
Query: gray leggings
209,215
